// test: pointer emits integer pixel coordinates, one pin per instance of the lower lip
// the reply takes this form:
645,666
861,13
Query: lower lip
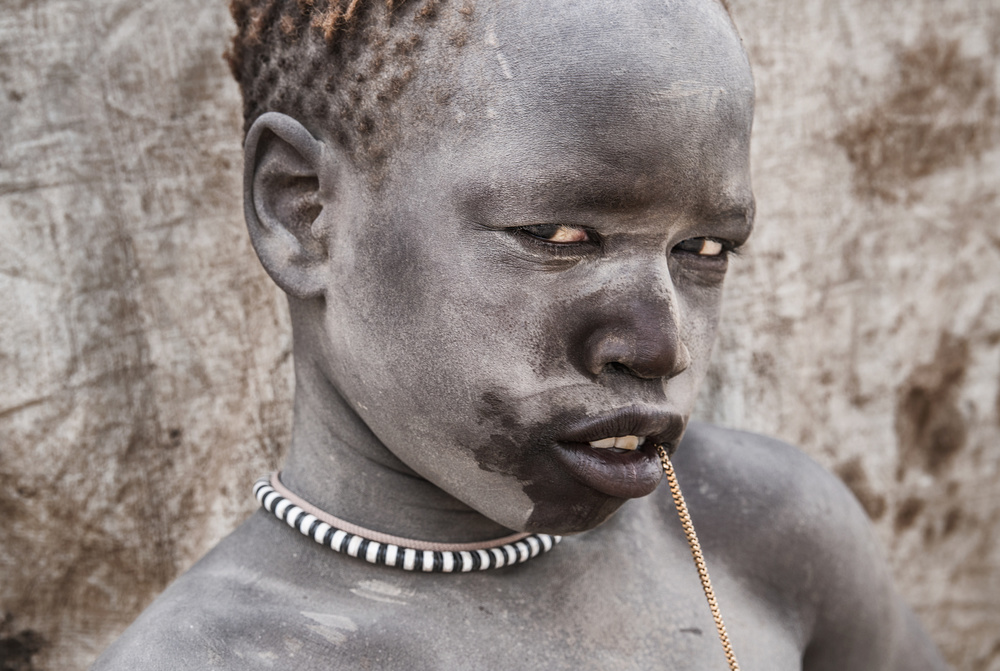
627,475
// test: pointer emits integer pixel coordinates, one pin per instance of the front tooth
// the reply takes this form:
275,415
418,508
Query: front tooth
642,441
604,442
626,442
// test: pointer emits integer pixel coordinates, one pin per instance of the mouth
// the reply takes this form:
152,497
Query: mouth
615,453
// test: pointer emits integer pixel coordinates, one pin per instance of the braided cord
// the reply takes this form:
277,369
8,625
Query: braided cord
699,558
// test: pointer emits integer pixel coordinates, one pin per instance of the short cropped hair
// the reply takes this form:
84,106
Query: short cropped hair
337,66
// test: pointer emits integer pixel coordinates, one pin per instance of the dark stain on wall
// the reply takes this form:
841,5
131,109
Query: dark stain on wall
994,654
854,476
18,648
952,519
930,427
930,533
907,513
940,110
997,404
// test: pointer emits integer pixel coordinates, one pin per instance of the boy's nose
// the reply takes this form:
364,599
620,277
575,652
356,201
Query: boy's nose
639,331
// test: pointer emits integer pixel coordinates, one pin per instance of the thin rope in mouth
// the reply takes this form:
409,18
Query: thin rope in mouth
699,558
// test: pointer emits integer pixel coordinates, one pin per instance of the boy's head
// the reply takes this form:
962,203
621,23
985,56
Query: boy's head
340,66
538,265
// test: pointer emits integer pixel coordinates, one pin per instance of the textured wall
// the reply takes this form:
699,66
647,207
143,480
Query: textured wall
145,374
864,323
144,357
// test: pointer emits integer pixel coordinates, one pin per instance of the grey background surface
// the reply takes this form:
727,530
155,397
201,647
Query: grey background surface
145,376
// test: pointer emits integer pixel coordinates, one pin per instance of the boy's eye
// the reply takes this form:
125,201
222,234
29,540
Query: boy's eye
557,233
702,247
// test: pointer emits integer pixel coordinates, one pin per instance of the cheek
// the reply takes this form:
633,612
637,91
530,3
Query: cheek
387,282
700,310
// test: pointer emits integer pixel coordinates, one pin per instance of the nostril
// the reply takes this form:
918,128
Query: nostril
648,365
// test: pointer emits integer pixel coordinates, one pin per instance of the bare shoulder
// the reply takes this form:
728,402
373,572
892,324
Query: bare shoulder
192,625
777,518
209,618
791,530
233,611
777,488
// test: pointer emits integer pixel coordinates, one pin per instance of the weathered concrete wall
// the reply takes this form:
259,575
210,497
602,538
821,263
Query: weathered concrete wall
145,374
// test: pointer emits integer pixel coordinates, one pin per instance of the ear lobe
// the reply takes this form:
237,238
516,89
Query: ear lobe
281,202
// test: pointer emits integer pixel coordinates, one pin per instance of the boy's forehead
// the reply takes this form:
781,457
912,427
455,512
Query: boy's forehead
586,42
578,31
584,95
568,61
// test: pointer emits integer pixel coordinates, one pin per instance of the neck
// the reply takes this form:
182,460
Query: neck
338,465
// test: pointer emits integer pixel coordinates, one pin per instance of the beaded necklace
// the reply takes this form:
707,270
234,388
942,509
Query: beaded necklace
405,553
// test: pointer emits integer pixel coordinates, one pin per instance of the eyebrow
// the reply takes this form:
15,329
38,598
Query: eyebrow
608,195
565,191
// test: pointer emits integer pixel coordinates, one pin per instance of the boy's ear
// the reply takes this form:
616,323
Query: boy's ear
283,169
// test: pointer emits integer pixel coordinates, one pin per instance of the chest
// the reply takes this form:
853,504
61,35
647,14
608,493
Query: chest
588,608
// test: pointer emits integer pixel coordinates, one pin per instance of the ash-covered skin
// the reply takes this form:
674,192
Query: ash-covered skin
449,366
435,297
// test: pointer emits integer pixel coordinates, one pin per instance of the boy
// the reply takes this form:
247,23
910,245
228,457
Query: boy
503,230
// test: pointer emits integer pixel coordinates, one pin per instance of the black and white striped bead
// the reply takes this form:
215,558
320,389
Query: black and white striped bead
408,559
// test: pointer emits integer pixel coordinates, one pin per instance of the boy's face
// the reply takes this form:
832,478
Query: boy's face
540,268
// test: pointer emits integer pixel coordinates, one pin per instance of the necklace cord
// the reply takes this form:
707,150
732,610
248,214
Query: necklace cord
699,558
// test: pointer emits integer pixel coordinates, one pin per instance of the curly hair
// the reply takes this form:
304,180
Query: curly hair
335,65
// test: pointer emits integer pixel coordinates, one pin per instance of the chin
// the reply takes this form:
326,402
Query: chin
564,518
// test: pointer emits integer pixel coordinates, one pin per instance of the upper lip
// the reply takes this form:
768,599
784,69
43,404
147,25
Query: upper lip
659,427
